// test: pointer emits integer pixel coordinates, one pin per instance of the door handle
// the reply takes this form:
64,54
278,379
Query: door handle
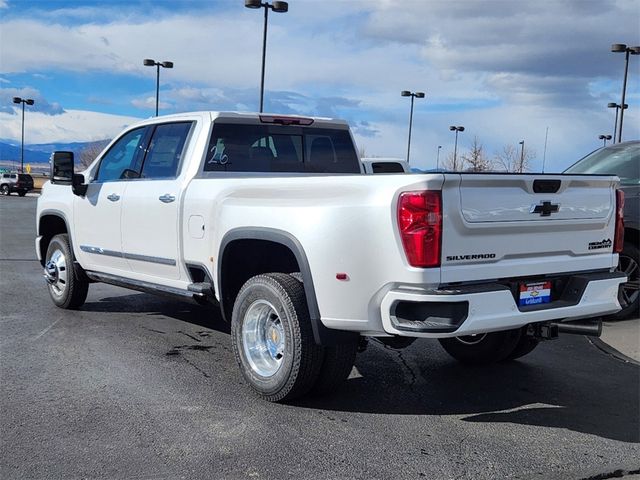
113,197
166,198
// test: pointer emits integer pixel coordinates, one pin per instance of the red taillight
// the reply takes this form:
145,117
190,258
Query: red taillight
619,238
420,223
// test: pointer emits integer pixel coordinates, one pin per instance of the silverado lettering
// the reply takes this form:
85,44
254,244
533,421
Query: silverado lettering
477,256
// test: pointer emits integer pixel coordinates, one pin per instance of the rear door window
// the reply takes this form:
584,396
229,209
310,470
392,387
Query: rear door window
165,150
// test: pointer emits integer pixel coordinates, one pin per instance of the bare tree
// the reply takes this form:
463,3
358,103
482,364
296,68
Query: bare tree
513,159
90,151
453,164
475,159
362,151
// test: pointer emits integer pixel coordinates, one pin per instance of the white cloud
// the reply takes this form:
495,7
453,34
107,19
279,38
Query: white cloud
71,126
505,70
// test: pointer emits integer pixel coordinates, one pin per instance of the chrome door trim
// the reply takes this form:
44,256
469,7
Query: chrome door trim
128,256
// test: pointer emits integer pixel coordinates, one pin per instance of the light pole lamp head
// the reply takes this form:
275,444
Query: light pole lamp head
148,62
17,100
521,142
461,129
607,137
252,3
405,93
419,94
601,137
452,128
29,101
634,50
612,105
618,47
278,7
167,64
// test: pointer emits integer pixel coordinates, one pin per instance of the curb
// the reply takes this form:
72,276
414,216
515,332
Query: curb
609,350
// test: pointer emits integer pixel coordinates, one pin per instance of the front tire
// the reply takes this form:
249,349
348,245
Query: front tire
68,289
4,190
272,338
483,348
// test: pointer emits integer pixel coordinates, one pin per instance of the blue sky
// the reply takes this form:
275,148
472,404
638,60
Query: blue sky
506,70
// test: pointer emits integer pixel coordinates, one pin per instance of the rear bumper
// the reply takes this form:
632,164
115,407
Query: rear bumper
492,307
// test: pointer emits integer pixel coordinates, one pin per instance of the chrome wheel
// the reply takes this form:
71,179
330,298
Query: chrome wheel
471,339
55,272
630,290
263,338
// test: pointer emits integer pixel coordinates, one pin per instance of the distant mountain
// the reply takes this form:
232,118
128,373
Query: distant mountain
37,155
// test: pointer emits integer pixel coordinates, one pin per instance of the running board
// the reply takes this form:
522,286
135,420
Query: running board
146,287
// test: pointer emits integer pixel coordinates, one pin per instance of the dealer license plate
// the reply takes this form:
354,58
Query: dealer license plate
535,293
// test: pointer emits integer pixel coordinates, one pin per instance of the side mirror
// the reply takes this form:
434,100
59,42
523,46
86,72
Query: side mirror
62,168
62,172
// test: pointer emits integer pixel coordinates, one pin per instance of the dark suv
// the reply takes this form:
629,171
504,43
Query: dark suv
15,182
623,160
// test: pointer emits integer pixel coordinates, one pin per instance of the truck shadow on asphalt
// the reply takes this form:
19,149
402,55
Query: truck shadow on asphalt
142,303
566,383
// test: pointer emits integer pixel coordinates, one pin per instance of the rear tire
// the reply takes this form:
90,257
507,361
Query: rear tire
272,338
68,288
483,348
22,193
336,367
525,346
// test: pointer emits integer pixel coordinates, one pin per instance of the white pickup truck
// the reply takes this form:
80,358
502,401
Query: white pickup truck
272,218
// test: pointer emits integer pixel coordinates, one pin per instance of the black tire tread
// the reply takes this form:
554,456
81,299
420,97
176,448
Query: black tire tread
77,284
307,359
495,347
336,367
525,346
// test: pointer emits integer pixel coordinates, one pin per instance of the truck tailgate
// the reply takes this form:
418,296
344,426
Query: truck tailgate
516,225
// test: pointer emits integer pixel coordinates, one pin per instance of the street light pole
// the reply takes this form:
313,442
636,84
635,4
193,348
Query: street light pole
149,62
406,93
604,139
438,158
521,156
23,101
615,125
453,128
278,7
617,48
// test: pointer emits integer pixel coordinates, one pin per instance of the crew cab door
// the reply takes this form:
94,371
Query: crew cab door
151,207
97,214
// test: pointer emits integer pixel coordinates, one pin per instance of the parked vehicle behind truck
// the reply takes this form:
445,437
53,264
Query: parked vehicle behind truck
19,183
271,218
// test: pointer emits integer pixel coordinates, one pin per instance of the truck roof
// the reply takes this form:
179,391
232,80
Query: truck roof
249,117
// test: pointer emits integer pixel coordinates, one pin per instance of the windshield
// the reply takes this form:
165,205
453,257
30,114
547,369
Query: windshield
24,177
622,160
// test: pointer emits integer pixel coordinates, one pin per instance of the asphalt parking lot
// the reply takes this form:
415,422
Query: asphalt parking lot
134,387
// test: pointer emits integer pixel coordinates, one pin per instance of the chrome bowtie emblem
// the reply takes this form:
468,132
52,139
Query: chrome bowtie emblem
545,209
